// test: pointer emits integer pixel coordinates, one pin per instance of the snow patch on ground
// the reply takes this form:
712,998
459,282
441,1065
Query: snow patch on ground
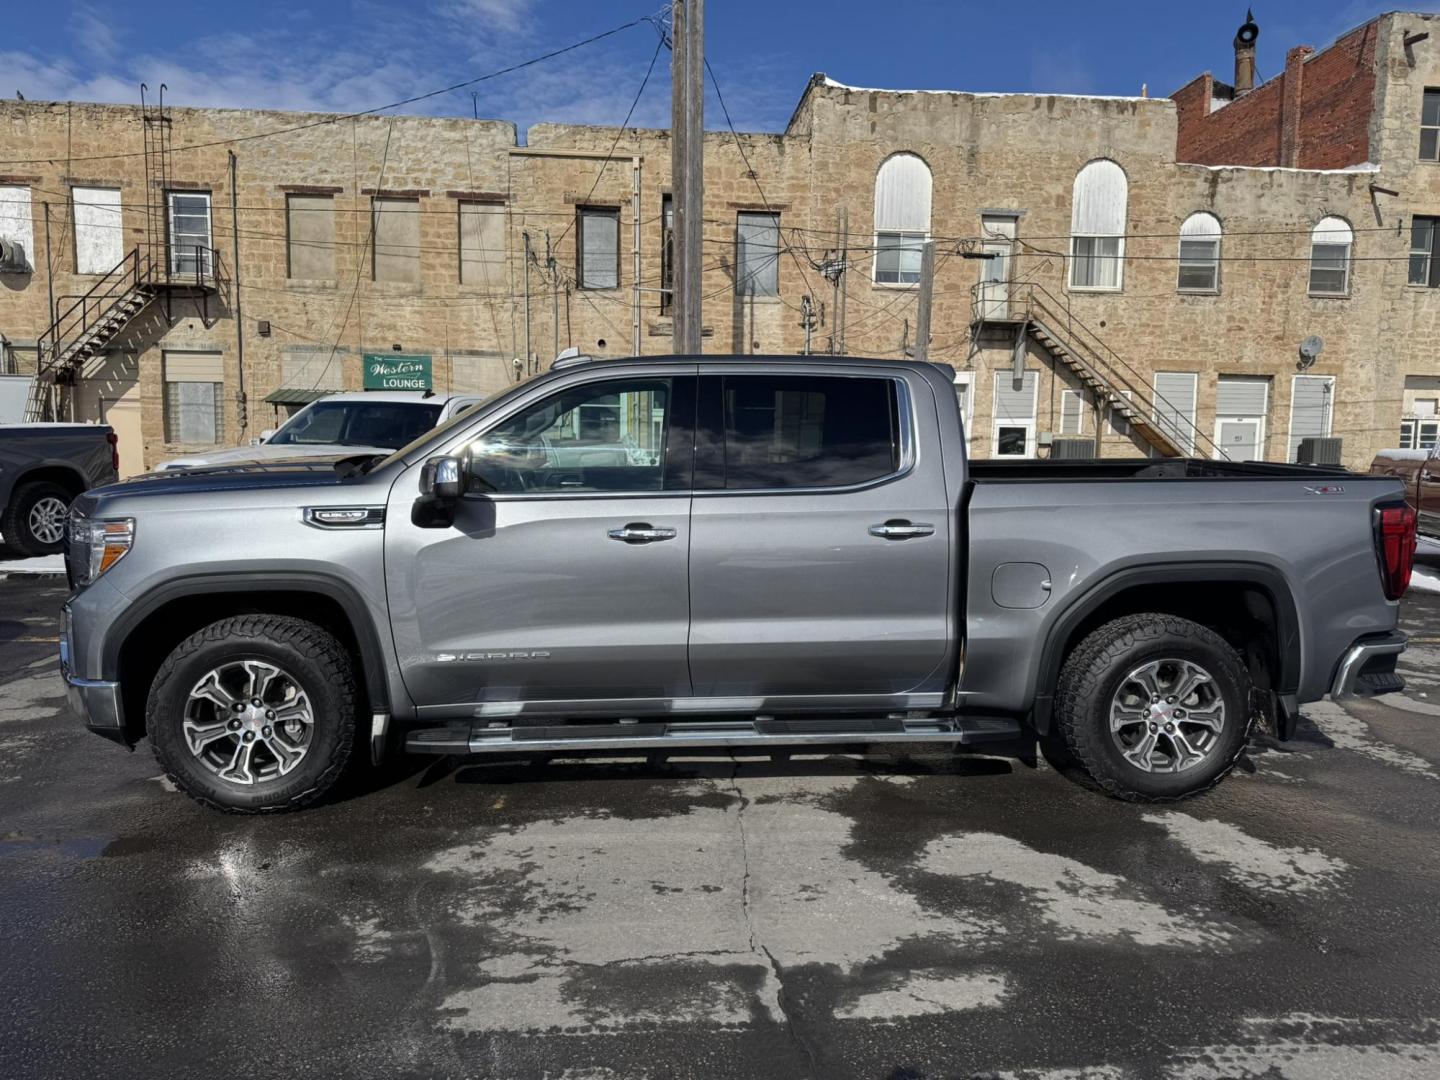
1248,860
1425,580
1350,733
923,994
1079,901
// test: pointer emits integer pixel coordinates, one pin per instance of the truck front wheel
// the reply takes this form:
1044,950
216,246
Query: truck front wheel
1154,707
254,713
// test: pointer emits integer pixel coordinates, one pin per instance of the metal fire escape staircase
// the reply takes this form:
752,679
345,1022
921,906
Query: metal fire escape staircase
87,324
1034,314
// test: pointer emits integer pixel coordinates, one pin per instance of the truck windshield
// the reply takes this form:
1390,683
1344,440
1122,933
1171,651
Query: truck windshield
385,424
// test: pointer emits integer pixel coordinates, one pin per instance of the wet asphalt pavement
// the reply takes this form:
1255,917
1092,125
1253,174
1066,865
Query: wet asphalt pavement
914,915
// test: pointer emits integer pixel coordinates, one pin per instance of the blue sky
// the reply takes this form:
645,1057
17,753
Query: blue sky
349,55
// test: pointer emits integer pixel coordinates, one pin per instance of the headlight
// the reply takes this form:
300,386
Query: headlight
97,545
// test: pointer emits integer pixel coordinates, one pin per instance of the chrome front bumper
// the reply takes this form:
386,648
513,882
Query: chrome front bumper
94,701
1374,652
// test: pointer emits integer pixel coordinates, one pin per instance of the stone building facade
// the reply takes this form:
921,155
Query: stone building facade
1090,284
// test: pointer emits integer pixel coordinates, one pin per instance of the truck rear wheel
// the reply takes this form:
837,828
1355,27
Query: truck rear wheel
1154,707
254,713
34,522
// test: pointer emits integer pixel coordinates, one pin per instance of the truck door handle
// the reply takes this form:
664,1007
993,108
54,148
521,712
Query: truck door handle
641,532
899,529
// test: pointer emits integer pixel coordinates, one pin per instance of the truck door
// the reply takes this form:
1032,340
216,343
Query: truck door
563,578
819,549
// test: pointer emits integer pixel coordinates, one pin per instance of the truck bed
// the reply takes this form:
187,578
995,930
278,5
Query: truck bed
990,471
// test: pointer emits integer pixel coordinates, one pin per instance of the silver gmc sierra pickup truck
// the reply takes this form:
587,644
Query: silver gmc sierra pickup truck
676,552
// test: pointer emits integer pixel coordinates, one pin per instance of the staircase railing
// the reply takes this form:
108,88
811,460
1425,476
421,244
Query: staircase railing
1029,301
86,310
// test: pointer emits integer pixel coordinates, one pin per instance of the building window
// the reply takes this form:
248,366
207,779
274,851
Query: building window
310,237
902,218
1430,126
1312,399
1200,254
1330,245
757,254
99,236
1424,266
1174,407
965,398
17,219
190,249
482,244
667,253
1014,429
598,254
1097,226
396,228
1418,434
194,398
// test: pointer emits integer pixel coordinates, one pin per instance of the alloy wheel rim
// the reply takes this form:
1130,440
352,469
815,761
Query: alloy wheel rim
248,721
1167,716
47,520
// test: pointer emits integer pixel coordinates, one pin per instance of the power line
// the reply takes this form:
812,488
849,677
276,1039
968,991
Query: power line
338,118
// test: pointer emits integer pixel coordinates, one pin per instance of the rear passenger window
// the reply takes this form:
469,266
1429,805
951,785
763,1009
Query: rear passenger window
800,431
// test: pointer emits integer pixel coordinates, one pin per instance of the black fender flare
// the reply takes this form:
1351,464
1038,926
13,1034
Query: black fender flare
1264,577
372,656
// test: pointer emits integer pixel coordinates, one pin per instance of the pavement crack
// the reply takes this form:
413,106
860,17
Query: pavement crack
782,994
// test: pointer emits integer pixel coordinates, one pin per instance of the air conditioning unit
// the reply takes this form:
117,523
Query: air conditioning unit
1317,451
12,257
1062,449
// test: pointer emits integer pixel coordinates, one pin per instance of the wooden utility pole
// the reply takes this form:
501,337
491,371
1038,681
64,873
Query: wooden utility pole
927,288
687,163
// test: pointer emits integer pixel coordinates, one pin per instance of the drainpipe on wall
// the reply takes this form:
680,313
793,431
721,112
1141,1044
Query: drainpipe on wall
241,405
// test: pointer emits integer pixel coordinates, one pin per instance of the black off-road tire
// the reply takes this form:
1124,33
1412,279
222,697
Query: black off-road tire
15,522
1091,675
316,660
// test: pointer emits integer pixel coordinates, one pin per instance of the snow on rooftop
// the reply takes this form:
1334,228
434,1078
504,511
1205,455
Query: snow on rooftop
1363,167
834,85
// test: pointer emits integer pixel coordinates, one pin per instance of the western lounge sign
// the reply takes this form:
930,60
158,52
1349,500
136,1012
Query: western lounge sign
396,371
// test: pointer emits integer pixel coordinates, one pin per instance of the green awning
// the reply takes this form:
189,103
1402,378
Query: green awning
290,396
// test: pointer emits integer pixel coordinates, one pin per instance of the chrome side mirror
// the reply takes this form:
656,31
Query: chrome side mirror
443,479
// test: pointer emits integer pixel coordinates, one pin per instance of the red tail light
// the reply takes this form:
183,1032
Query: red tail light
1397,548
114,441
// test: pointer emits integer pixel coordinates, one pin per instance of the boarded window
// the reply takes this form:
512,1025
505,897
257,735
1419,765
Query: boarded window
1242,395
397,240
757,254
482,244
310,223
194,398
17,221
1097,226
902,218
1072,412
1175,407
99,236
599,248
1330,246
1311,405
317,369
1200,253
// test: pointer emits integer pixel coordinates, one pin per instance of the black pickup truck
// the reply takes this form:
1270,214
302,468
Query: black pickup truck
42,468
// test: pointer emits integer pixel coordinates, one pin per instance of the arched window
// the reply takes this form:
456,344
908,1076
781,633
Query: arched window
1200,253
1097,226
1330,245
902,218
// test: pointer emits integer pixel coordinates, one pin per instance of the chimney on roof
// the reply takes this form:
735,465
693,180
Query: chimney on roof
1245,55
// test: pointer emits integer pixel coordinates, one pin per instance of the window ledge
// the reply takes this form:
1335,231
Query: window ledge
600,288
751,298
1198,292
1328,295
314,283
1095,288
900,285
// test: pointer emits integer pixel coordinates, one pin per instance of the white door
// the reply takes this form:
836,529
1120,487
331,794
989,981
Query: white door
999,236
190,233
1242,403
1014,430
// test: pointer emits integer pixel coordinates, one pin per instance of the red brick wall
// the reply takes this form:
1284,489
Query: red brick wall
1336,96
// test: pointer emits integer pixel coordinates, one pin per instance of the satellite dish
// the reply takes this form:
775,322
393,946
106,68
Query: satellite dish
1310,349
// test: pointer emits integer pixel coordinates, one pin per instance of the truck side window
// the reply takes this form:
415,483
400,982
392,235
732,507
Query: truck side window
799,431
606,436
